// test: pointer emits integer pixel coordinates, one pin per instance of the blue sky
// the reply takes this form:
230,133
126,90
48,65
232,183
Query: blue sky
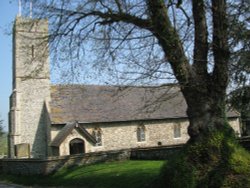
8,11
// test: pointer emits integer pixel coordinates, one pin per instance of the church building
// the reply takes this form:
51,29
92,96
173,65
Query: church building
56,120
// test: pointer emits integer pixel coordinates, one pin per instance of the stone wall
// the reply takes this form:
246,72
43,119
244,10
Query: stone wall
33,129
154,153
122,135
52,164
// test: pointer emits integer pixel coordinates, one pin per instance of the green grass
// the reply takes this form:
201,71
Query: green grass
132,174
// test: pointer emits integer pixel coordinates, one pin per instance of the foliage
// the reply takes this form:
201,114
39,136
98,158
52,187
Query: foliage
124,174
217,161
239,35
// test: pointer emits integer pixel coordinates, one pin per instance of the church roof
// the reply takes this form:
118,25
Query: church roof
92,103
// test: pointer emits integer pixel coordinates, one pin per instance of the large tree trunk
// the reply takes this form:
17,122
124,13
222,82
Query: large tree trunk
206,111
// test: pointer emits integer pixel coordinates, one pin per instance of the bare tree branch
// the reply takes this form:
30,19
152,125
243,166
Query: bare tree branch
169,40
200,43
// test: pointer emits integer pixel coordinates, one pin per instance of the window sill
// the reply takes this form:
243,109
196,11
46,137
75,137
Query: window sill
177,138
98,146
141,141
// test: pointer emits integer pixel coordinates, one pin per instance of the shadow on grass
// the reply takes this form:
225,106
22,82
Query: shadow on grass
121,175
132,174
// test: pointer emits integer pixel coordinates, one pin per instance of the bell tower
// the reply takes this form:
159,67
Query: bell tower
31,89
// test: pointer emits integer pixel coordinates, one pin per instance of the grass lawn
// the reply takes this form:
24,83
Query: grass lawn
124,174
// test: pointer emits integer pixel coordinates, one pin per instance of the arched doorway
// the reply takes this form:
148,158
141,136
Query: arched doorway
76,146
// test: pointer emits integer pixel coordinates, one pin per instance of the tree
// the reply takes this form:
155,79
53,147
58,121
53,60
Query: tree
191,38
1,127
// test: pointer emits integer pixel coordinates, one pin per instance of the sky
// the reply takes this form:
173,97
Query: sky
8,11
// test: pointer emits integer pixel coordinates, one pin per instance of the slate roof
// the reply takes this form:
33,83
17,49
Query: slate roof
92,103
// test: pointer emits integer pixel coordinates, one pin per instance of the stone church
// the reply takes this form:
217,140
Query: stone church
56,120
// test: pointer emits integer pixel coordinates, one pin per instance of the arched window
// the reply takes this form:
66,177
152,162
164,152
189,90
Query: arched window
76,146
97,134
141,133
177,130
